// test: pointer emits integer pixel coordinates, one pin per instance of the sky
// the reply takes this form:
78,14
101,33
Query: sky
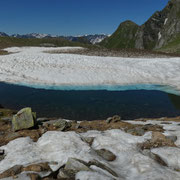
73,17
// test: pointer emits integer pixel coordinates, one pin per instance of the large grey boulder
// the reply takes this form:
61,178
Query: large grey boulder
24,119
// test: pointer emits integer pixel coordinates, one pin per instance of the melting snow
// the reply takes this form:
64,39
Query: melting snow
31,65
130,163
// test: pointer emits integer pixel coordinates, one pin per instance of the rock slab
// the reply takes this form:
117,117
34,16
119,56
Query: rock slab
24,119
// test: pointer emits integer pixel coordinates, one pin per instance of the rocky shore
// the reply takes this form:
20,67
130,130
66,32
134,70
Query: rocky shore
43,148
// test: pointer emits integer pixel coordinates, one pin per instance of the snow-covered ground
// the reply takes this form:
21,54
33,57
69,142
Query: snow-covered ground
130,163
31,65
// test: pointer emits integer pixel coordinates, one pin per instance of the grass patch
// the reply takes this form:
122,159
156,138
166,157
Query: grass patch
173,46
124,36
56,42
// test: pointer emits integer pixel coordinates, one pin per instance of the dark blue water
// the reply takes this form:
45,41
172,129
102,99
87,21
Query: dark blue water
91,105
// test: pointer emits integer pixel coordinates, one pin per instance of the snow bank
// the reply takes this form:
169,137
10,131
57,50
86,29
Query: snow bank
33,67
130,164
170,155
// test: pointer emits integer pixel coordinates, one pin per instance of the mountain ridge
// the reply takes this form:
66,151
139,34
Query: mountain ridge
90,38
157,32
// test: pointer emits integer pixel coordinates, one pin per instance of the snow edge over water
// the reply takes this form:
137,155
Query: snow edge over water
167,89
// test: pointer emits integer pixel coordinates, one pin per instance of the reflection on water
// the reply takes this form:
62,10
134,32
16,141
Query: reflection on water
90,105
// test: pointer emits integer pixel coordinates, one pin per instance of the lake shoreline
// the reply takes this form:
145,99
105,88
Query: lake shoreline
91,104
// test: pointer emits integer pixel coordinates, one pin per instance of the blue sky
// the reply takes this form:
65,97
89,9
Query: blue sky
73,17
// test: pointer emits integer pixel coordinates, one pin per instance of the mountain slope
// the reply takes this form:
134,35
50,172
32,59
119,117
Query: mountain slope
159,31
161,28
124,36
91,39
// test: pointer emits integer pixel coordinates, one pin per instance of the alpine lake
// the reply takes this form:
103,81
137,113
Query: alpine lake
93,103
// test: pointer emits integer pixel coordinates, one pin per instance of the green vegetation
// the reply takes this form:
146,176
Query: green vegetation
59,42
124,36
173,46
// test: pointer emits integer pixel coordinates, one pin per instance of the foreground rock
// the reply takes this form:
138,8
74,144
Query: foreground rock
59,124
24,119
76,165
115,118
107,155
62,149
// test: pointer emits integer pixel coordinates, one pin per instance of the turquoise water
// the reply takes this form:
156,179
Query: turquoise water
80,103
163,88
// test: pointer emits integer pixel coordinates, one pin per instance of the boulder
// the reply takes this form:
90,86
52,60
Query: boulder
24,119
72,167
114,119
66,174
137,131
88,140
61,124
106,154
108,120
76,165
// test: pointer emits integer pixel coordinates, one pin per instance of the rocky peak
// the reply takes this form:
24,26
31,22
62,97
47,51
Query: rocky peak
159,28
127,23
158,31
2,34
